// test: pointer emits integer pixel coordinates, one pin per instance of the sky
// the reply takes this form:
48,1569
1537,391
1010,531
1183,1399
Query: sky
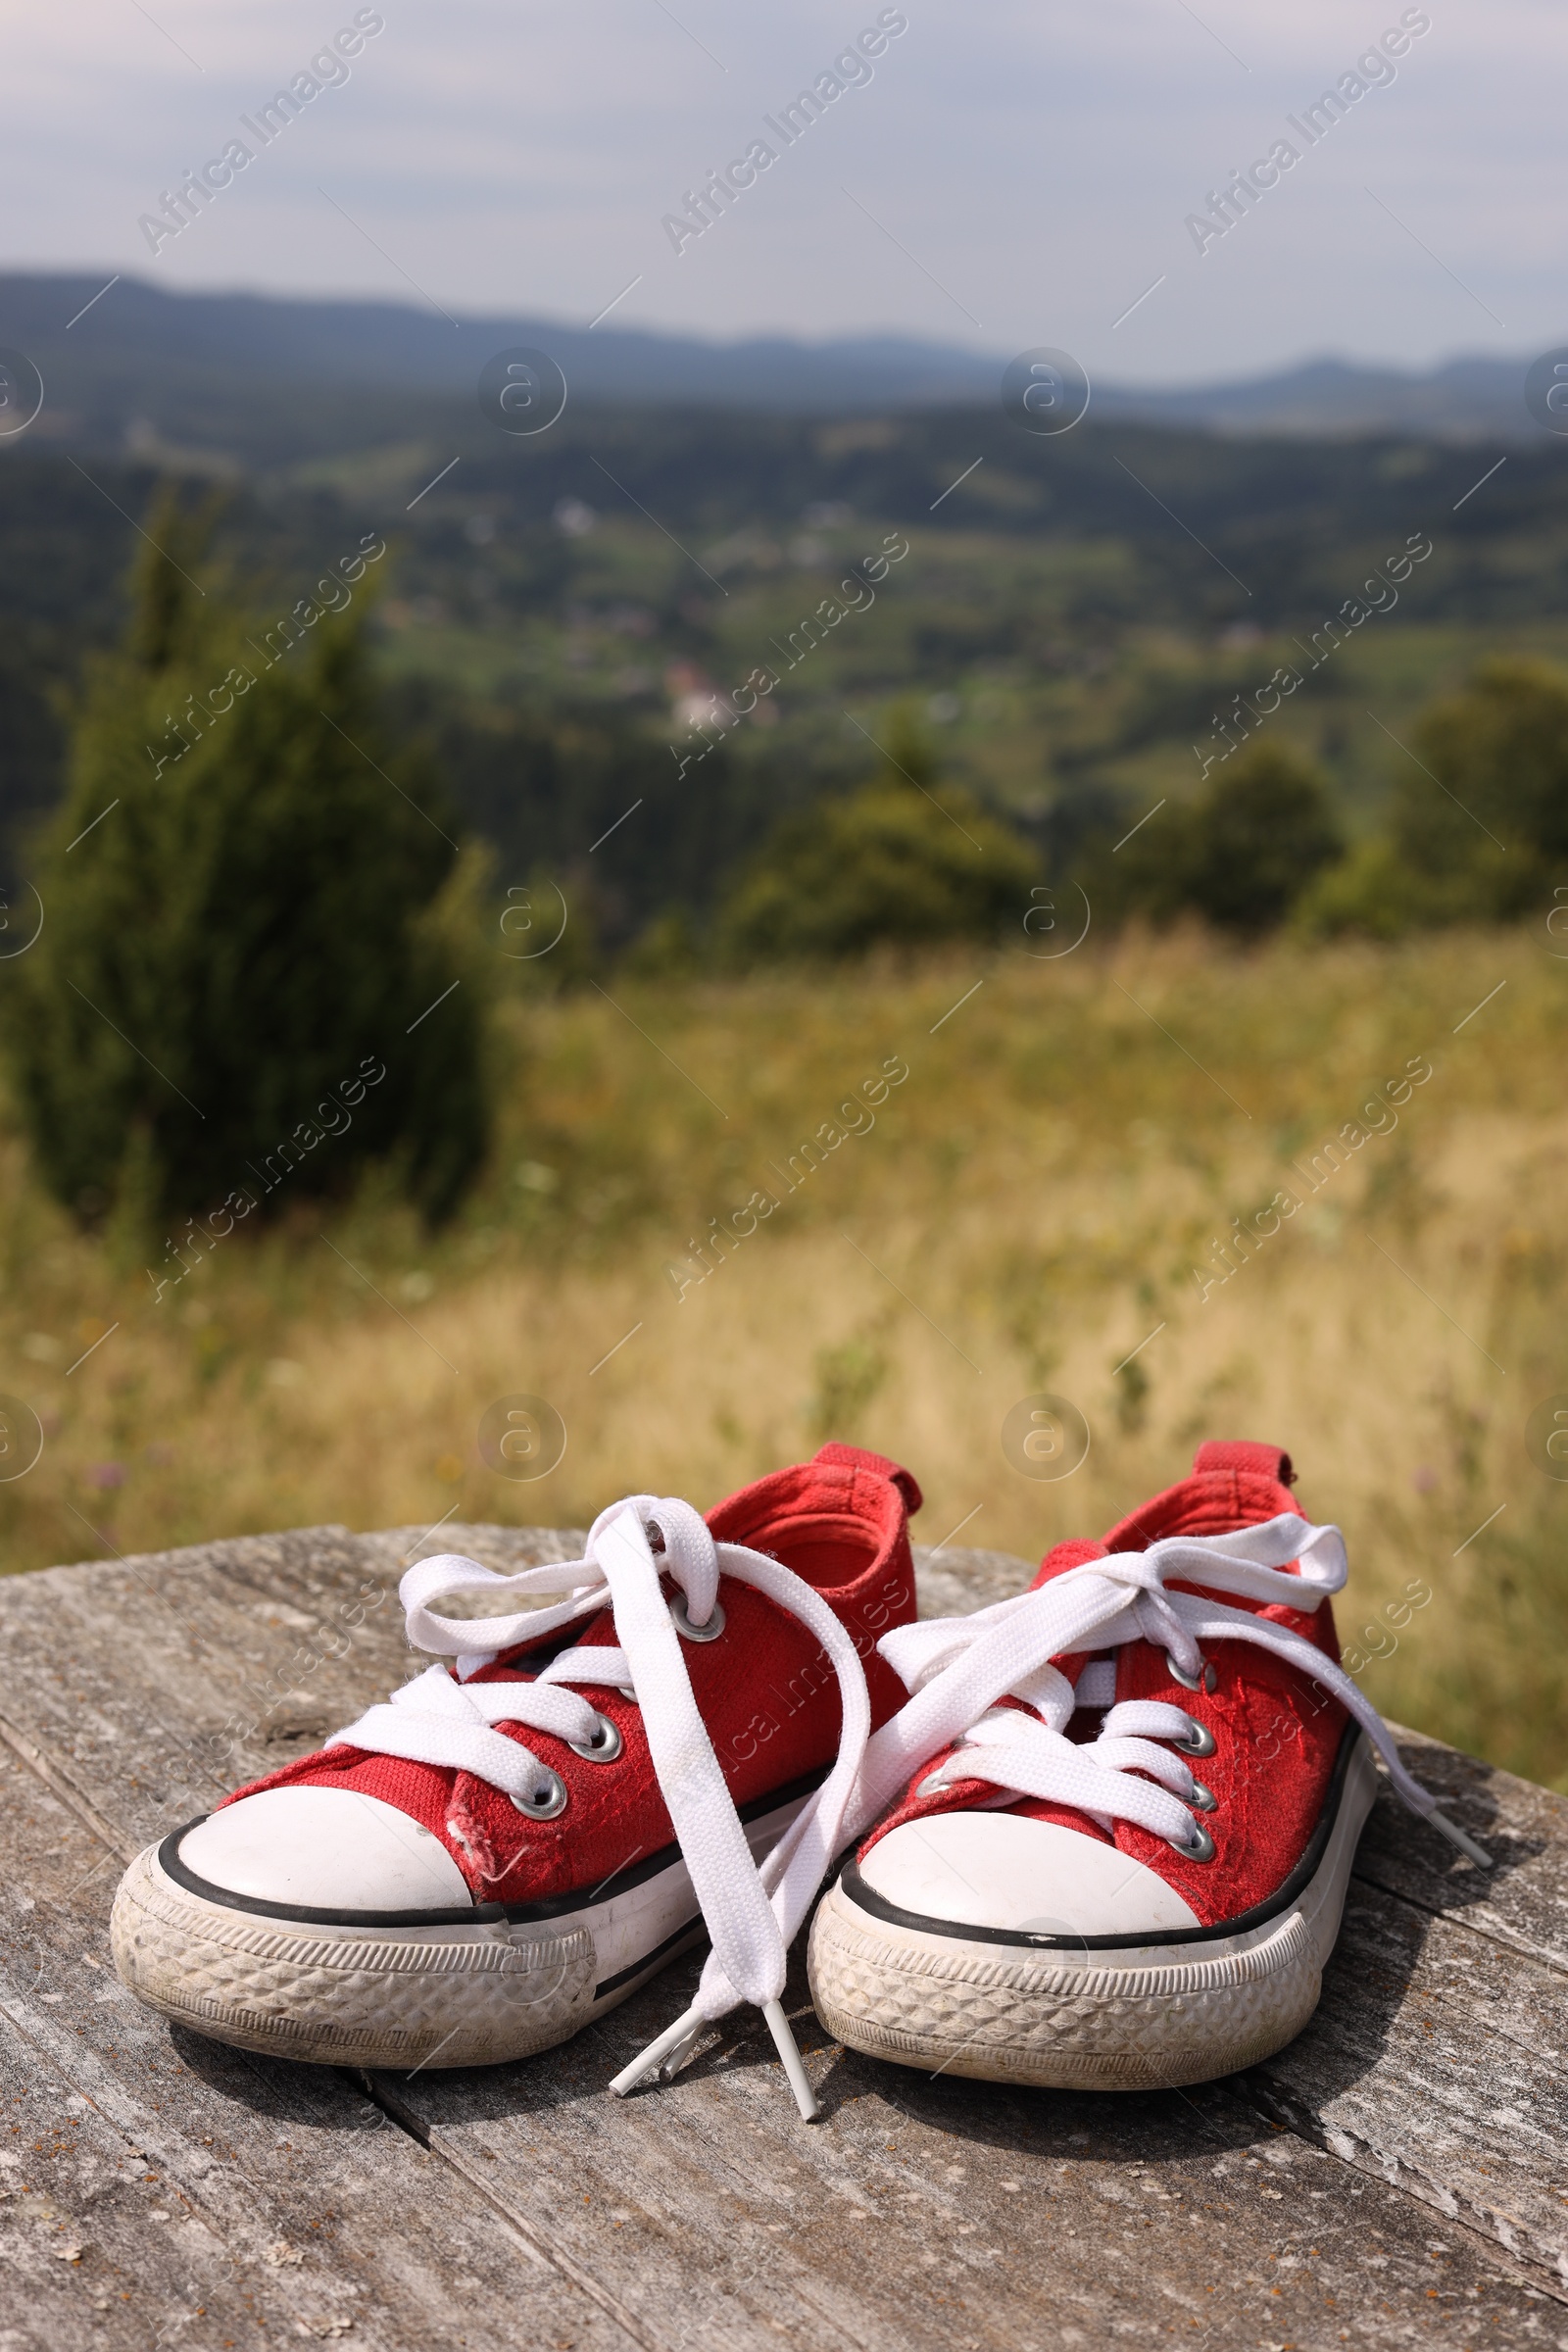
1009,175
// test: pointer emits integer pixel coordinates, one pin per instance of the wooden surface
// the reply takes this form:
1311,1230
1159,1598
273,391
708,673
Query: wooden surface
1399,2175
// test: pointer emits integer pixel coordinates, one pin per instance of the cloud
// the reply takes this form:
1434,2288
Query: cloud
1026,167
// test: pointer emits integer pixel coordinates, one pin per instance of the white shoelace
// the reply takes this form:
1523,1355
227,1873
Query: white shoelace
752,1913
959,1668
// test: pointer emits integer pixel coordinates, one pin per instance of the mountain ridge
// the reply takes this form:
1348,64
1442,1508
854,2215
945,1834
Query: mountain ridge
116,345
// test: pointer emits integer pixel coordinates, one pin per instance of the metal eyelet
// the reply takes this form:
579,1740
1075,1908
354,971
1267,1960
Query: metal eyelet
696,1633
1203,1799
1198,1849
602,1746
547,1798
1200,1740
1204,1682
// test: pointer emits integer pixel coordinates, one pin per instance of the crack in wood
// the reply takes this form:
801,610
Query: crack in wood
554,2258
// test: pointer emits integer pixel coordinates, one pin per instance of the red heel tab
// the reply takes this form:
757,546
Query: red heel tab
1076,1553
1240,1453
855,1458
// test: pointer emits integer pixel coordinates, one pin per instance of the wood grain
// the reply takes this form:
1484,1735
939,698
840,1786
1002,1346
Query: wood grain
156,2189
1398,2172
1437,2058
929,2212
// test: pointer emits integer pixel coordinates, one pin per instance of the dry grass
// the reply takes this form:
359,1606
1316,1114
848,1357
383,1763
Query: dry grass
1027,1208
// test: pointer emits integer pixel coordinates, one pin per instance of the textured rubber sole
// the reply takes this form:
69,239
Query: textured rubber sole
1134,2018
392,1997
442,1996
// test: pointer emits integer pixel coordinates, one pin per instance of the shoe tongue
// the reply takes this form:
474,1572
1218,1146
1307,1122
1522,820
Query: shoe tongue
1074,1553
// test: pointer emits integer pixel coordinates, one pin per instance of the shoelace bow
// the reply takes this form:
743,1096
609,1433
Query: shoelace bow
958,1669
752,1913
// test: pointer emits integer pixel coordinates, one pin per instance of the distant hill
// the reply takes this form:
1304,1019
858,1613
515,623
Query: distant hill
1466,399
219,369
139,337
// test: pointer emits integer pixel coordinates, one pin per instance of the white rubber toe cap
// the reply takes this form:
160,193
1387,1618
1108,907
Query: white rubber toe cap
1005,1872
325,1849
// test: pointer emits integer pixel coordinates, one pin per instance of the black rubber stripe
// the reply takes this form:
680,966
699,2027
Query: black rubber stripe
456,1914
472,1915
867,1899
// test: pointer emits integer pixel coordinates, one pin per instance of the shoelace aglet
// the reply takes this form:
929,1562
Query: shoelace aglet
672,2063
778,2024
668,2054
674,2043
1461,1839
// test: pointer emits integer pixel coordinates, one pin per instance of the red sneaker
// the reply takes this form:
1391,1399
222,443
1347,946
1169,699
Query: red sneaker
1055,1898
512,1845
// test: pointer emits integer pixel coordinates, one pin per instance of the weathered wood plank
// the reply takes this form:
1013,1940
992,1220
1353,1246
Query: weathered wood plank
703,2214
504,1549
1426,2064
931,2212
1524,1902
149,1686
951,1582
210,2191
1437,2058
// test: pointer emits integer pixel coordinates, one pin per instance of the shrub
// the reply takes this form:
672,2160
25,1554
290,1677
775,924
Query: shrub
1372,891
1478,817
898,862
238,934
1257,836
1484,817
1239,856
886,864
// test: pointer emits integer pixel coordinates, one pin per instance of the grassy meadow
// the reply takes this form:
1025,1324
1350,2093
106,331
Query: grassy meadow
1019,1212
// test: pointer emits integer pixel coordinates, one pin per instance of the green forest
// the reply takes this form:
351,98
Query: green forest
632,650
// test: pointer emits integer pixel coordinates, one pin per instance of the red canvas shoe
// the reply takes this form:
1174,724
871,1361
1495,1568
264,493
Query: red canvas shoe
515,1843
1057,1897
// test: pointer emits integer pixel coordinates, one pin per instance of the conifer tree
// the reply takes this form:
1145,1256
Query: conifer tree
251,979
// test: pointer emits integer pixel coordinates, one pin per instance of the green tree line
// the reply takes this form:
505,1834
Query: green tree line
1475,831
262,964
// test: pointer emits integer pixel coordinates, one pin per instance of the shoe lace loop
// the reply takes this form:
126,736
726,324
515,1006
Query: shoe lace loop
446,1719
959,1669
